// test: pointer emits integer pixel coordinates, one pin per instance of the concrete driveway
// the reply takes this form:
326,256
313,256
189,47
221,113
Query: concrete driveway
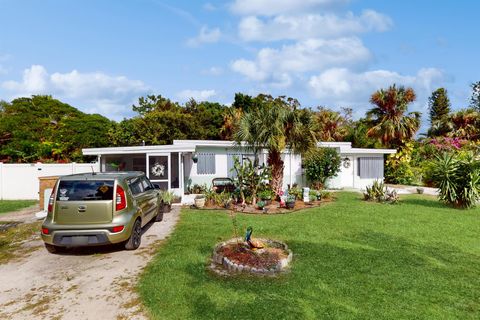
84,283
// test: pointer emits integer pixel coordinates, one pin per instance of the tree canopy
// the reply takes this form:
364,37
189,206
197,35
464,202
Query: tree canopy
391,125
41,128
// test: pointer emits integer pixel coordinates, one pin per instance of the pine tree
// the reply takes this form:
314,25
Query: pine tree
475,99
438,105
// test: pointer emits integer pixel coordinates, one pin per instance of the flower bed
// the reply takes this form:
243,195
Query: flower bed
234,256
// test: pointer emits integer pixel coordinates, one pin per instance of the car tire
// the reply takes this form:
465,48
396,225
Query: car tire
136,237
159,216
52,249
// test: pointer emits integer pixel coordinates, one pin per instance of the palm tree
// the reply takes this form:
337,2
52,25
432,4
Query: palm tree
276,124
390,123
331,125
465,124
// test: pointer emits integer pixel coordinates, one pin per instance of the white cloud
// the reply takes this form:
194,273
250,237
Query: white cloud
272,7
213,71
304,26
279,65
206,35
199,95
35,80
342,87
92,92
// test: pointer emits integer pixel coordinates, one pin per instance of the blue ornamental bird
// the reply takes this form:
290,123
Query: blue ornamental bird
253,244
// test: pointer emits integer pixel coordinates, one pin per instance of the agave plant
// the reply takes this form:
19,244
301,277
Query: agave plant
458,179
379,192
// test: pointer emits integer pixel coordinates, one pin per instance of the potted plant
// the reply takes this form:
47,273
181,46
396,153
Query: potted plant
167,198
261,204
200,201
290,202
194,158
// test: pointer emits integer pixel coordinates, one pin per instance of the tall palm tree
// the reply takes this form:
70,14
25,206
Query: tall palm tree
391,125
276,124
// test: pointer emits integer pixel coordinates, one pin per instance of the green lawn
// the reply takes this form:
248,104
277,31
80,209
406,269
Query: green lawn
352,260
14,205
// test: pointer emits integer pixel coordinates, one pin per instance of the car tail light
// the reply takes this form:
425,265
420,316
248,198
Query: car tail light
118,228
120,199
51,199
45,231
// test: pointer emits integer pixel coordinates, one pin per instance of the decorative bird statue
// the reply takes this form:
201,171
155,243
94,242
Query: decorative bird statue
253,244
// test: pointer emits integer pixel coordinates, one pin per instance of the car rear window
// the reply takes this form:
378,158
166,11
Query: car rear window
85,190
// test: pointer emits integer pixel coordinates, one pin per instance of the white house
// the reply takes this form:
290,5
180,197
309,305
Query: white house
173,168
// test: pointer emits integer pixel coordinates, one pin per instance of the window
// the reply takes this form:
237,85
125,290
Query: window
88,190
370,167
136,186
146,184
206,163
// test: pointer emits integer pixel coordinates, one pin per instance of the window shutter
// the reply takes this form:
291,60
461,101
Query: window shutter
371,167
206,163
231,164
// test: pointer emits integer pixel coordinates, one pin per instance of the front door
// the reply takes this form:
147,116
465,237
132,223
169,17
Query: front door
158,170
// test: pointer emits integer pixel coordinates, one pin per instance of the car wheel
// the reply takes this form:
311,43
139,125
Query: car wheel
159,214
51,248
136,236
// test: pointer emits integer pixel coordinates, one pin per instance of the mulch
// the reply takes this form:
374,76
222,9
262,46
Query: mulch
266,258
273,208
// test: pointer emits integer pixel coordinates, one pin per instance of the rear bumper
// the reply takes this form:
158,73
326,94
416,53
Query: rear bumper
87,235
80,239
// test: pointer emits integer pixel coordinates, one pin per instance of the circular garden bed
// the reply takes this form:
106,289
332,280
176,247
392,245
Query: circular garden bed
235,257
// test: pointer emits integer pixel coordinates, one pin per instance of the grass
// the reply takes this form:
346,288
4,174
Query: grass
14,205
12,239
352,260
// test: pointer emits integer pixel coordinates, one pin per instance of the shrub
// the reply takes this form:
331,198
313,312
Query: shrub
379,192
327,195
296,192
314,195
196,189
458,179
321,164
399,168
249,179
266,194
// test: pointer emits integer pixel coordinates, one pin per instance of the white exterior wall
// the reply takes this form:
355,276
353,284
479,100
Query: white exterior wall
221,169
345,178
348,177
292,172
20,181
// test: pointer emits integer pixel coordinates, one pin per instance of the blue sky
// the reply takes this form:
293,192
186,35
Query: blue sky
102,55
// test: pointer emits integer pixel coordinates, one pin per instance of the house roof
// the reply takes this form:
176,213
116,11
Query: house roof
346,148
191,145
139,149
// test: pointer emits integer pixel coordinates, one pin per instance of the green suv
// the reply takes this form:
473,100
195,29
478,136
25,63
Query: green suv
100,208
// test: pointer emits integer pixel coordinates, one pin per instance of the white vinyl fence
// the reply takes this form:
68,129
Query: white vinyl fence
20,180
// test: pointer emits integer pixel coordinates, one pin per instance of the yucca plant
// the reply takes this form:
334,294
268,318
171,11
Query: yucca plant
458,179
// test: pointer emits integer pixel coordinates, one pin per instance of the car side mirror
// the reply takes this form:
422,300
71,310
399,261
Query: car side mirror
156,186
